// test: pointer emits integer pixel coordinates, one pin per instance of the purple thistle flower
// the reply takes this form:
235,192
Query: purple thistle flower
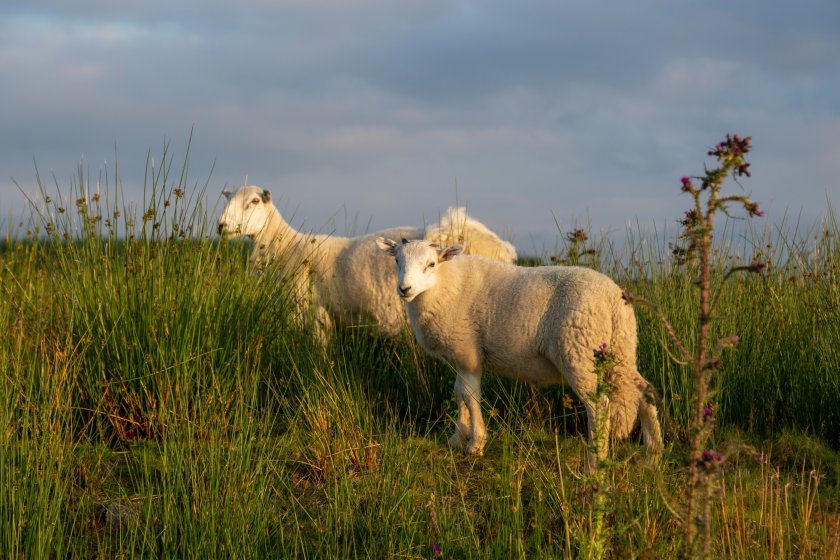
758,267
710,456
436,549
707,411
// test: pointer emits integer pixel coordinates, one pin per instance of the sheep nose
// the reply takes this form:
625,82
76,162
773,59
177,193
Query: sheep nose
403,290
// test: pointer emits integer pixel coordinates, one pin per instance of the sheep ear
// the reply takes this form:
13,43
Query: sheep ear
387,245
448,252
226,193
404,241
266,195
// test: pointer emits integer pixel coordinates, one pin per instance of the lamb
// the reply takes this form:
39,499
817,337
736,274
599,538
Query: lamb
338,279
539,324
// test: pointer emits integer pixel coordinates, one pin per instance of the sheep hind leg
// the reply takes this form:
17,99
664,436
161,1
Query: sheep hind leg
649,420
471,383
463,429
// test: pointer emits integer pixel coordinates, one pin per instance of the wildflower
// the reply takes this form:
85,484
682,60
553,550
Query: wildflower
600,353
743,169
436,549
690,219
758,267
686,184
707,412
577,236
710,457
752,209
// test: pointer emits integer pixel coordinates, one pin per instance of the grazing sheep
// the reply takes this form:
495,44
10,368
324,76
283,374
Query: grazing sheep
539,324
342,279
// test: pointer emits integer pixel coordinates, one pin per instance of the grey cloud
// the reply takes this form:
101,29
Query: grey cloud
530,106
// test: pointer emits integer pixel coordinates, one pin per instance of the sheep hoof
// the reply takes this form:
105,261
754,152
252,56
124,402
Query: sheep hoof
475,448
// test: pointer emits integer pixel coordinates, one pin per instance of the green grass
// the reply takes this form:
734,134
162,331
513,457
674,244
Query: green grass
157,401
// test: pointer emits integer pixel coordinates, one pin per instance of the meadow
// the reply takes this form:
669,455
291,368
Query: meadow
158,401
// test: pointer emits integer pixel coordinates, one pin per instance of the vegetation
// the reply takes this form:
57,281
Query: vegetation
157,401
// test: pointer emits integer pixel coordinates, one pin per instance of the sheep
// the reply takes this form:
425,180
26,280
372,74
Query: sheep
539,324
456,227
341,279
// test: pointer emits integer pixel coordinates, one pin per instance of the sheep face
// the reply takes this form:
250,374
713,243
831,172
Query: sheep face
417,264
246,212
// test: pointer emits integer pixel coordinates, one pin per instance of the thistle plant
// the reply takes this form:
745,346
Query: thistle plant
578,252
694,250
604,362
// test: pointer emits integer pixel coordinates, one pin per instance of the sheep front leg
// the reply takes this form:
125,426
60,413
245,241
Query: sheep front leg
471,385
463,428
323,325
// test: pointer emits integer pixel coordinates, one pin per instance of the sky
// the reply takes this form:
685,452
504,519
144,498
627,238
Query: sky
537,115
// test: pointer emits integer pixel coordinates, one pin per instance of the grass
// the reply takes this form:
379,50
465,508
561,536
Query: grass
158,402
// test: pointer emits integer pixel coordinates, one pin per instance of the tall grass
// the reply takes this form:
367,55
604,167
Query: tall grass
158,401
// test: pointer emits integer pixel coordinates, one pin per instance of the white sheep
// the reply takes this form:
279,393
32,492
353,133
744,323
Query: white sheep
455,227
342,279
539,324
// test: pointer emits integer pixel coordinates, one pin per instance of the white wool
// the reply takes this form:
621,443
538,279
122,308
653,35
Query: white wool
456,227
539,324
338,279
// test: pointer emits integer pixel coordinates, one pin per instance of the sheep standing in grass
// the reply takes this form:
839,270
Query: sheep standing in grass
341,279
455,227
539,324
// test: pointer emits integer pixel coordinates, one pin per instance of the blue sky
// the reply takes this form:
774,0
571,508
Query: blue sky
536,111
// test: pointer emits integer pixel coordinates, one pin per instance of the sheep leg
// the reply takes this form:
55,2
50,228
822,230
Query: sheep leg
463,430
648,418
323,325
471,382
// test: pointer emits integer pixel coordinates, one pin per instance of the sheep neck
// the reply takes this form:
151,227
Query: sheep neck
439,301
277,238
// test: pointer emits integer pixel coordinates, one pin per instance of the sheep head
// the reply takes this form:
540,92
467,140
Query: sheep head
246,213
417,264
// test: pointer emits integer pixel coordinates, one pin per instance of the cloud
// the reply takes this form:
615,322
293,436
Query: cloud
534,109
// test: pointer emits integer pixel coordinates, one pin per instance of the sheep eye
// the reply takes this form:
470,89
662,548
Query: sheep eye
430,265
255,201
